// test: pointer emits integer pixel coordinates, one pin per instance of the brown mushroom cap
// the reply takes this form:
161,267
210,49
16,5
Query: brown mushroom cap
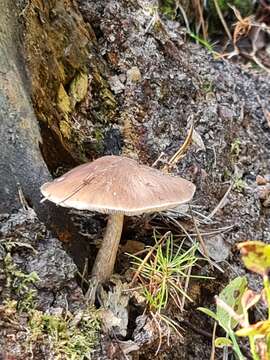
118,185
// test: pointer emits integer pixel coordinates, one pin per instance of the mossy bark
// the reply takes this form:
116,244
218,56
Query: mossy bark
22,167
66,76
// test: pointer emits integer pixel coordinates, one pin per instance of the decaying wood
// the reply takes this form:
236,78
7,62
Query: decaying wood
22,167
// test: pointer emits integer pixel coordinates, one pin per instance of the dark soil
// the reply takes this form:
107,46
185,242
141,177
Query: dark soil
161,84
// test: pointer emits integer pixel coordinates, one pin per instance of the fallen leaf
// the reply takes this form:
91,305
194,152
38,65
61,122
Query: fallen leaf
197,139
256,256
249,299
261,328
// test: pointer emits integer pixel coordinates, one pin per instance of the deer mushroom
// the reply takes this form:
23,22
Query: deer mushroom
117,186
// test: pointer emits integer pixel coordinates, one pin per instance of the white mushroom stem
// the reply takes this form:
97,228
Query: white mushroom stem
105,260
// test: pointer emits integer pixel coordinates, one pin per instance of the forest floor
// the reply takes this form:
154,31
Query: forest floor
163,84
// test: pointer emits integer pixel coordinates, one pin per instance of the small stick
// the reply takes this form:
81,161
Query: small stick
23,201
181,151
222,20
197,329
220,204
186,287
205,251
212,356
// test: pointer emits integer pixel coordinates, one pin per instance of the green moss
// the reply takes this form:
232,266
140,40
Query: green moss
69,337
207,86
105,100
63,100
98,141
65,129
21,284
65,336
78,88
168,8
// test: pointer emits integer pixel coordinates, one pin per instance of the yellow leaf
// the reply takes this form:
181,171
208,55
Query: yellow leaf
256,256
261,328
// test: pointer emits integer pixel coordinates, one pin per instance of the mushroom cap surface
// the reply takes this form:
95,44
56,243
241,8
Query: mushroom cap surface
118,185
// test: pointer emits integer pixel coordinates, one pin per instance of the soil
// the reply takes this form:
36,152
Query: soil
162,84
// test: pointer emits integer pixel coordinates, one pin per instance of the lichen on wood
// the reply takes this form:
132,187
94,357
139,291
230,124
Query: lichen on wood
58,45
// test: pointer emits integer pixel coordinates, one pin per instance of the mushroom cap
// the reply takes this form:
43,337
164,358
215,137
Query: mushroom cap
118,185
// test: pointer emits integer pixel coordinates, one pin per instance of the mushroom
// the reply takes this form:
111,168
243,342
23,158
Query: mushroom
117,186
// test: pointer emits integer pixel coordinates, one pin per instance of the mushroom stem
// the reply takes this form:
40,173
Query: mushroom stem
105,260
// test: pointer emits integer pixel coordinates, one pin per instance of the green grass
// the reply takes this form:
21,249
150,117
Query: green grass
205,43
162,275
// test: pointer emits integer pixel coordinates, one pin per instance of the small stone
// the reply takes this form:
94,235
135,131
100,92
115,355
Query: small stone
225,113
197,140
116,85
260,180
217,249
111,38
264,192
134,74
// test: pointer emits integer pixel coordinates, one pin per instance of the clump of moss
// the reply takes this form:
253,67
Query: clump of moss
69,336
64,335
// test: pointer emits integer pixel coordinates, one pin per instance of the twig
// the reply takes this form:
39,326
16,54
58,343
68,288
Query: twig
205,251
186,287
196,329
180,7
212,263
23,201
257,61
220,204
200,11
85,268
159,332
153,20
212,356
181,151
148,255
213,232
222,20
162,154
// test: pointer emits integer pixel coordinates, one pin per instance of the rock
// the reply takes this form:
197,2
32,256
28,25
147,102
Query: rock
260,180
116,85
134,74
217,248
35,250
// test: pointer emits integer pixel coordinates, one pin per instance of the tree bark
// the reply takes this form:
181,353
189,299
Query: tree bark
21,163
22,167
